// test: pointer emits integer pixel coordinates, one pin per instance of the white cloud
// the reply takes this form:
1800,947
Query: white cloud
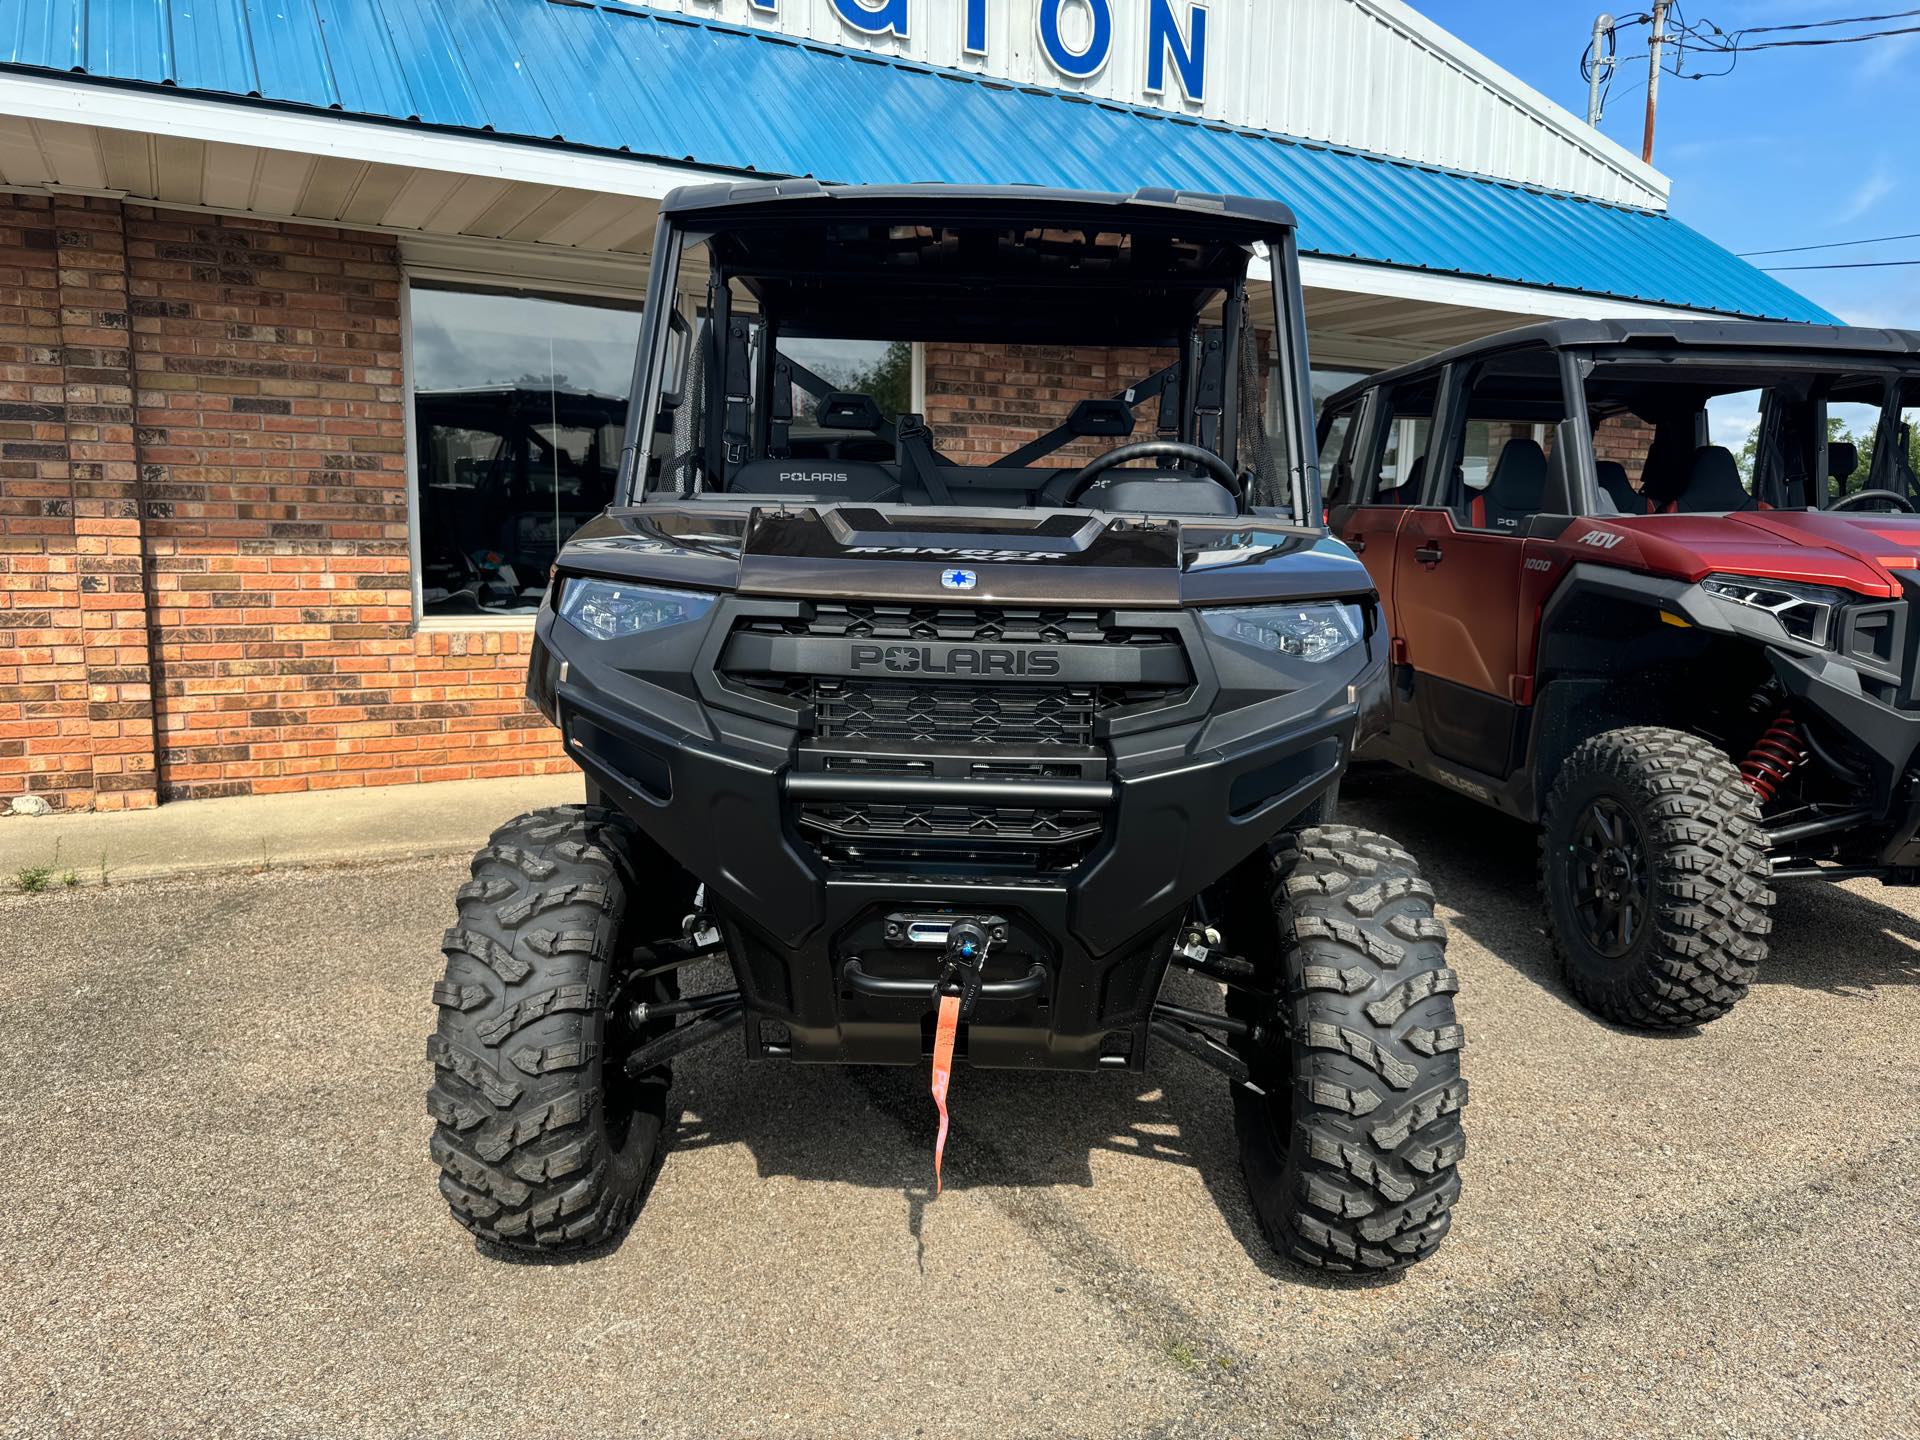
1874,318
1869,193
1883,56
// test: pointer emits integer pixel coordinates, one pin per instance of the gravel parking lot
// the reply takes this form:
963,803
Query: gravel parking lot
217,1214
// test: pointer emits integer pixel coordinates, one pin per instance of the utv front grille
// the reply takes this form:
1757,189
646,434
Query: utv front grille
931,713
886,833
969,624
922,723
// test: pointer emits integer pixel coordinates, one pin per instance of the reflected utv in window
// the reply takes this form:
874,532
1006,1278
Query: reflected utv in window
508,473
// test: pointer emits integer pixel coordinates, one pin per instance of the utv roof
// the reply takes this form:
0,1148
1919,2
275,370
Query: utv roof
983,263
788,198
1669,335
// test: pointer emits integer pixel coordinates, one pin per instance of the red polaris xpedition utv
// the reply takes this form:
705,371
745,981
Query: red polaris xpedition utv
1650,585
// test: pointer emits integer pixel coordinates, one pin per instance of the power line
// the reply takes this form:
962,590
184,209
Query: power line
1827,24
1830,245
1833,40
1842,265
1705,35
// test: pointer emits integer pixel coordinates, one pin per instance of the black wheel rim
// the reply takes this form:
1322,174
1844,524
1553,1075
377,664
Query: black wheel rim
1607,875
617,1107
621,1093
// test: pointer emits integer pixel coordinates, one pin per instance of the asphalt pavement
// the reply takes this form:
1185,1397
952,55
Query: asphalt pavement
217,1215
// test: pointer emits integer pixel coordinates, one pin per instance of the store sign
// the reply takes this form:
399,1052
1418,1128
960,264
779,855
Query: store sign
1076,38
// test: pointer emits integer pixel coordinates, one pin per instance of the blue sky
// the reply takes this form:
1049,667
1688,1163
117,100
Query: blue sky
1795,147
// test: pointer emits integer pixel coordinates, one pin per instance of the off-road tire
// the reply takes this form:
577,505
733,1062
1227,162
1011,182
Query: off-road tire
543,1144
1351,1156
1710,897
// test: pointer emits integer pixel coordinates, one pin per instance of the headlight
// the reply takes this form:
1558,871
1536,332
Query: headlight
611,610
1806,612
1314,632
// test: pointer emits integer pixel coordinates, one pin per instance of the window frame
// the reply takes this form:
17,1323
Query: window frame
1355,411
1447,448
532,287
1380,418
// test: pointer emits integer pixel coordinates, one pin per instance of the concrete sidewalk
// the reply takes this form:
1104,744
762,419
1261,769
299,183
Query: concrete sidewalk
322,827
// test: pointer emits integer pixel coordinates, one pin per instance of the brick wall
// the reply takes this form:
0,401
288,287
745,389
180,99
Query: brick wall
76,706
1624,439
203,521
984,402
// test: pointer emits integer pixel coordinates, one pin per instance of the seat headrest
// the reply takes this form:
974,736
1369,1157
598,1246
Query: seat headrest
1407,492
1519,476
846,410
1617,487
1713,483
1843,458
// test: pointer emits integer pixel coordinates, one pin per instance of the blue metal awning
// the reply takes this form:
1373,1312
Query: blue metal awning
621,80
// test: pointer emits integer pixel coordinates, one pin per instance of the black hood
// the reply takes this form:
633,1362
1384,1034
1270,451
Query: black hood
1065,557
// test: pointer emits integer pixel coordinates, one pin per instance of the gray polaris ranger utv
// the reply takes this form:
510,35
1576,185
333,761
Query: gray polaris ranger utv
963,649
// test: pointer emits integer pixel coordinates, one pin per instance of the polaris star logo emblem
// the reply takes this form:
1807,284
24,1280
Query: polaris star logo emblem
959,579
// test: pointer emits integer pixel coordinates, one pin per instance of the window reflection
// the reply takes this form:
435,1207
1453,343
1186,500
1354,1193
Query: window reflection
519,405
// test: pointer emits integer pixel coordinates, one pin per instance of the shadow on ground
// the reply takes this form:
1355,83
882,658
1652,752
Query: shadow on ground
1825,937
1012,1131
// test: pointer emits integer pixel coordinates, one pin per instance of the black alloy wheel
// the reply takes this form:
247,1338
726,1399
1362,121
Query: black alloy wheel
1609,876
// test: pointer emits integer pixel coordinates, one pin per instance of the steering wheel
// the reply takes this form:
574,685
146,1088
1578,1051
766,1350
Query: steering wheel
1848,502
1154,449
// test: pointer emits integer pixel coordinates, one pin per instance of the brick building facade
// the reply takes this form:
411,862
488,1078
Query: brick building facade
204,521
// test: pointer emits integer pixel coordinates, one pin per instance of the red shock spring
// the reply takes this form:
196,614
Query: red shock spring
1774,756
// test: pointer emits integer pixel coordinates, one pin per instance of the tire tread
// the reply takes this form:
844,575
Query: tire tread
1369,1173
517,1096
1712,892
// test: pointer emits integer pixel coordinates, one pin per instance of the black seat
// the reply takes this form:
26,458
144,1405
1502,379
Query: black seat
1514,491
1615,485
1713,483
1407,492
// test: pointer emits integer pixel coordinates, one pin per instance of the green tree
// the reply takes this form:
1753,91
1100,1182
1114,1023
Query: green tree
1836,431
889,380
1866,442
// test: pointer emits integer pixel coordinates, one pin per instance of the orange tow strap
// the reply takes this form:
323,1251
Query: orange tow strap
943,1035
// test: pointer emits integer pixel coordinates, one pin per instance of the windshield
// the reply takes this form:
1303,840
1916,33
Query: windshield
961,366
1712,435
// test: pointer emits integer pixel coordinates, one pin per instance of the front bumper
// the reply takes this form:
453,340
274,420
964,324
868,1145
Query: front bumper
1861,698
1884,831
1091,853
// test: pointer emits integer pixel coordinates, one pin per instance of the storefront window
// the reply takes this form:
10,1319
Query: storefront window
519,405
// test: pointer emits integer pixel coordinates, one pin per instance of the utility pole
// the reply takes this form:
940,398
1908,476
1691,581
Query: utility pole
1654,44
1600,68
